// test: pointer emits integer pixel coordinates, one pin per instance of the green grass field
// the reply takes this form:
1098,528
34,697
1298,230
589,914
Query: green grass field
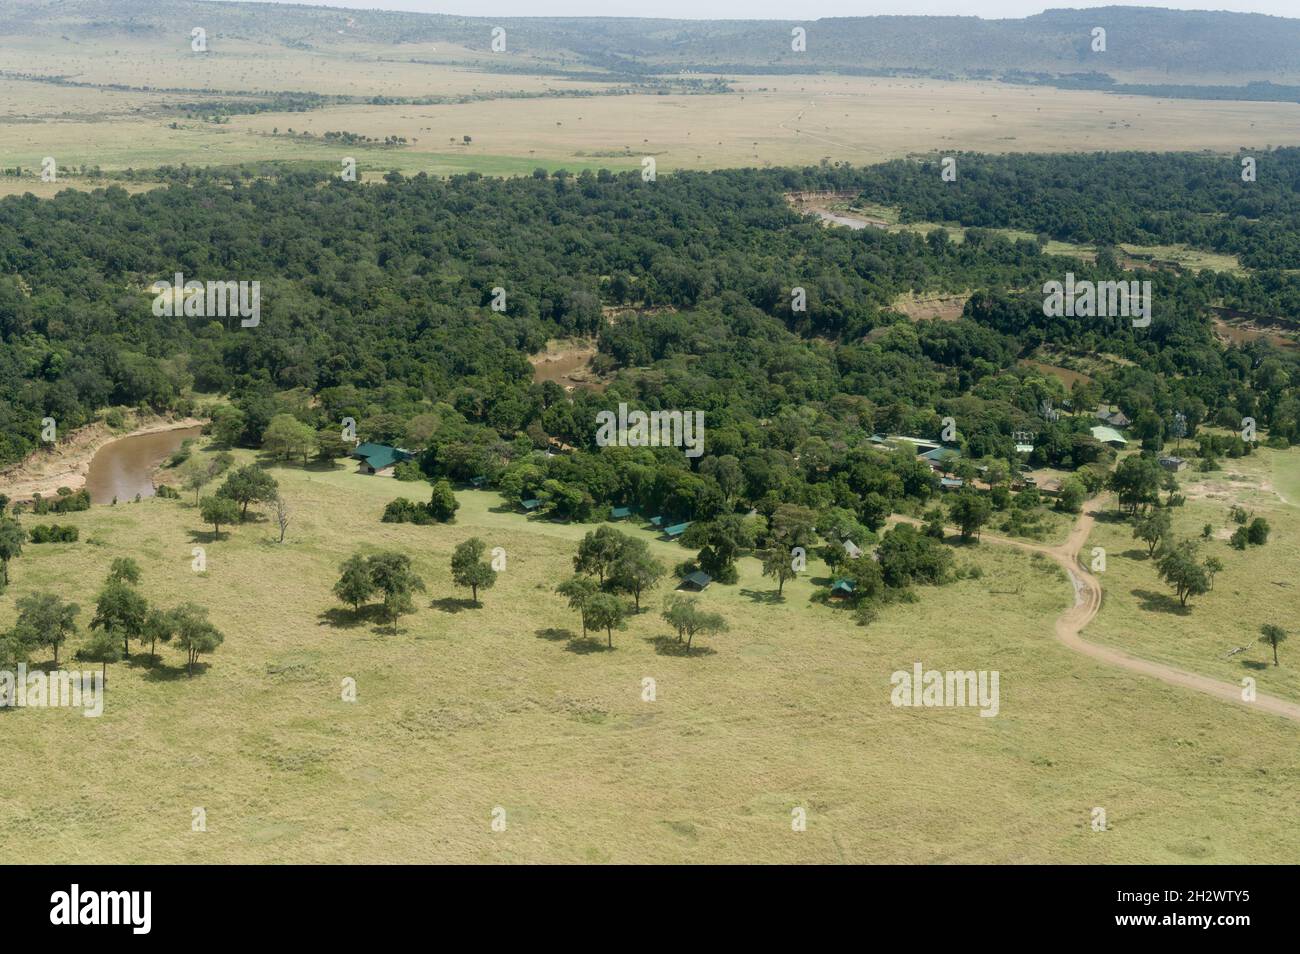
1140,614
468,709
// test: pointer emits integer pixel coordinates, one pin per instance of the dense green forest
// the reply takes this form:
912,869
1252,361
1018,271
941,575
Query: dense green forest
376,305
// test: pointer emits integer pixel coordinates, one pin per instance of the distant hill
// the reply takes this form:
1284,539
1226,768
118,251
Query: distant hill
1206,47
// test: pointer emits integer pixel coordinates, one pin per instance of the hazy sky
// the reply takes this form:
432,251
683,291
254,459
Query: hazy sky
792,10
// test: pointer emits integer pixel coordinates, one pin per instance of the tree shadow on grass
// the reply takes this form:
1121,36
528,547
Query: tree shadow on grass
207,536
1255,664
763,596
1160,603
671,646
452,604
1111,516
344,617
589,645
1136,555
555,634
165,672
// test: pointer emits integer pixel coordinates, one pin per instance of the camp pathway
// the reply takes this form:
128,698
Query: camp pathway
1087,603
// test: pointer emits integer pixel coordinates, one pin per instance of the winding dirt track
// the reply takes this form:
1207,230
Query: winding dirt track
1087,603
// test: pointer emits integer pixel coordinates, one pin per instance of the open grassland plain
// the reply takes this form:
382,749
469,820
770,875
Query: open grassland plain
1258,585
467,709
765,121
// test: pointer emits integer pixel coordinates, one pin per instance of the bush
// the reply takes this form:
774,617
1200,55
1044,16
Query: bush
53,533
1240,537
402,510
1257,532
408,470
66,502
168,492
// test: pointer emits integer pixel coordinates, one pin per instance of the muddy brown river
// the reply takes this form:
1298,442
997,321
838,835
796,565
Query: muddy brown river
121,469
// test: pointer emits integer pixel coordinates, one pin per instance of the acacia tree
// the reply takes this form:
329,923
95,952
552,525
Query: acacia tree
103,649
281,515
1273,635
606,611
778,563
158,625
44,619
218,511
194,633
1180,568
120,611
970,511
579,590
12,538
598,551
248,485
392,576
634,569
468,568
1152,528
355,585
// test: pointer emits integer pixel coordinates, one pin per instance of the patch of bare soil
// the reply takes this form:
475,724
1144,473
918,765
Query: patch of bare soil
932,308
568,364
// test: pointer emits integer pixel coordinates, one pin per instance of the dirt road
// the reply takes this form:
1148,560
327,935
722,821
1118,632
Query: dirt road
1087,603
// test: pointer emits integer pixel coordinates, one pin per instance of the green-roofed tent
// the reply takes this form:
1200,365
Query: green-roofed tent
841,587
376,458
677,529
1108,435
477,481
619,513
530,504
941,454
656,521
695,581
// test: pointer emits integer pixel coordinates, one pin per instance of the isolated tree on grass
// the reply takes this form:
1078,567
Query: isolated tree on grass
1273,635
159,625
677,613
1180,567
970,511
120,611
124,570
103,649
1136,482
194,633
598,551
579,590
195,475
704,624
606,611
1152,528
354,585
12,538
281,516
468,568
218,511
44,619
248,485
393,577
779,564
634,570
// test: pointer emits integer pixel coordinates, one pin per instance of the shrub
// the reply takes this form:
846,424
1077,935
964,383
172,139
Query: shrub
1257,532
53,533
